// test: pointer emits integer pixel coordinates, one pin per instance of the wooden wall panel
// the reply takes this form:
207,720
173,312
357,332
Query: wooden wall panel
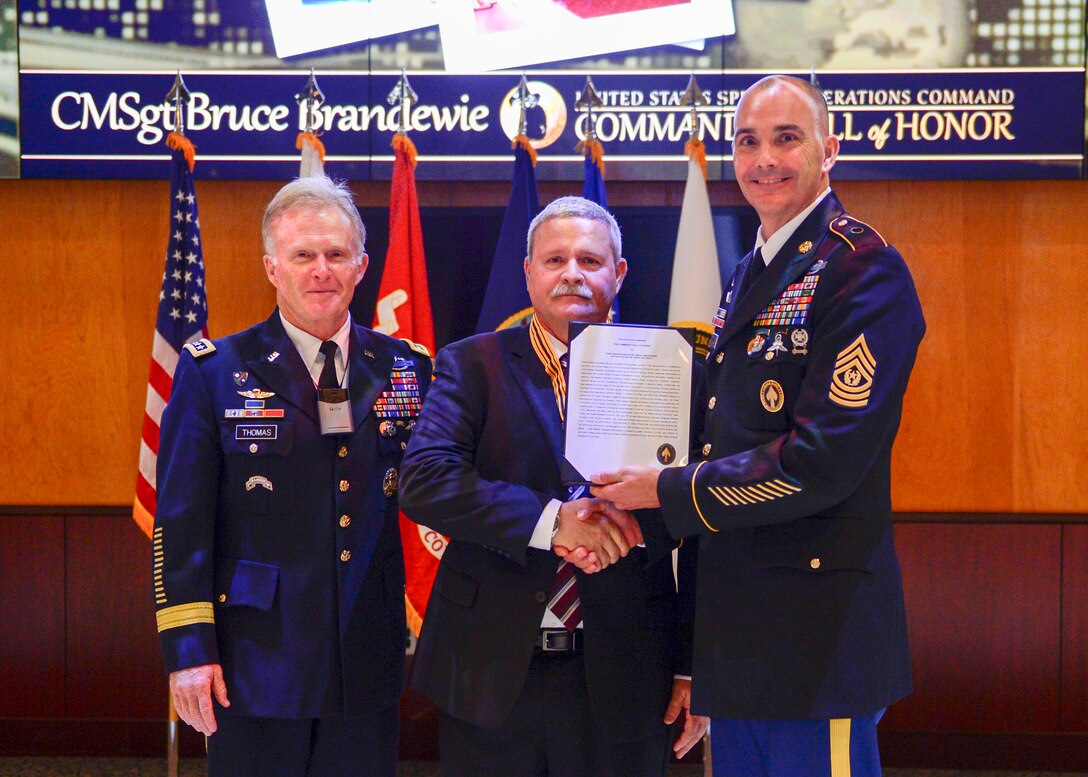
997,266
113,661
31,616
1075,629
984,624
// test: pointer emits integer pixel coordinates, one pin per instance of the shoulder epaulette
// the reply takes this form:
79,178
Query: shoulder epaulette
856,234
201,347
417,347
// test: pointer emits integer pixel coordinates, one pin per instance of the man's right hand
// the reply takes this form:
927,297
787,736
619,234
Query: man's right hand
192,690
597,527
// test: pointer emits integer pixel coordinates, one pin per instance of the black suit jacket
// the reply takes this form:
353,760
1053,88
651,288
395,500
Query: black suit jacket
799,608
277,549
482,464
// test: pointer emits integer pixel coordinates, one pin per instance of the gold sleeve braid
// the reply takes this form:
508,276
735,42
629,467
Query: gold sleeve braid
156,570
185,615
695,500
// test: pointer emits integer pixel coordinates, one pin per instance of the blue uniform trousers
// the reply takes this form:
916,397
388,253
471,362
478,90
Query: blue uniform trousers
844,747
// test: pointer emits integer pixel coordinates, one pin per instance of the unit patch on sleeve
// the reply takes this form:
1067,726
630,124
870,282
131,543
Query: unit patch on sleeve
852,379
201,347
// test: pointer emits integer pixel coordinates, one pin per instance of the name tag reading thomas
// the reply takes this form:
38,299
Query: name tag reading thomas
255,432
334,411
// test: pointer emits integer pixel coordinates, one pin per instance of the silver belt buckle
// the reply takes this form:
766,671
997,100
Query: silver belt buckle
563,638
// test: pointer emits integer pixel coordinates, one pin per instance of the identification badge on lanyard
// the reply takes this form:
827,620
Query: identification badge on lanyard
334,411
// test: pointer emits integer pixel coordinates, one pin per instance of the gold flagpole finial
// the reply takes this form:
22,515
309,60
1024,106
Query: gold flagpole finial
404,94
179,97
589,100
694,97
311,98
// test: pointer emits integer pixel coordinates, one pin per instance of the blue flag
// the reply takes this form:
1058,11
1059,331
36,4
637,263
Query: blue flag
506,301
593,186
593,190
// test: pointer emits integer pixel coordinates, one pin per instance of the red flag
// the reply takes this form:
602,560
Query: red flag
404,310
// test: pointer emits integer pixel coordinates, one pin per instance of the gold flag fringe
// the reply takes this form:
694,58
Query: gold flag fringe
696,152
594,150
405,144
521,140
184,145
319,147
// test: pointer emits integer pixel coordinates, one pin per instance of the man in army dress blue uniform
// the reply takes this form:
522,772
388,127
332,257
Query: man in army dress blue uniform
278,574
800,630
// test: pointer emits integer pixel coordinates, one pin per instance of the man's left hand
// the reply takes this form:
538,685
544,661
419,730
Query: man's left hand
630,488
695,726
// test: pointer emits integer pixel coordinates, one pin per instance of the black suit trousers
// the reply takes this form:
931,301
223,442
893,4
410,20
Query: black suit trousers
550,732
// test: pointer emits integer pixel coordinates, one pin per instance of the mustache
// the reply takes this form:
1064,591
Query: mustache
573,289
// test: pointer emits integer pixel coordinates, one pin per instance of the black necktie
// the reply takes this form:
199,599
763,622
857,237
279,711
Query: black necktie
328,372
752,271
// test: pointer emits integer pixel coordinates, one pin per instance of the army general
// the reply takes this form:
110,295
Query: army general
279,579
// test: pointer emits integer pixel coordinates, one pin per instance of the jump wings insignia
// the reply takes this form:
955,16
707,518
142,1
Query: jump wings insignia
256,394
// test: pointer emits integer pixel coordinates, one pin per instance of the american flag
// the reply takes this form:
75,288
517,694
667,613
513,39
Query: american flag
182,318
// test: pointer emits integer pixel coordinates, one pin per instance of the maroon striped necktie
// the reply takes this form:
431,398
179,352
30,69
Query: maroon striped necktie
564,603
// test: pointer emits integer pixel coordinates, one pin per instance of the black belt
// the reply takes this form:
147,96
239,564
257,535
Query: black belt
559,641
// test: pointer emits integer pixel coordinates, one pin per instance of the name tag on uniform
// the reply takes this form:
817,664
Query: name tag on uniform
256,432
334,411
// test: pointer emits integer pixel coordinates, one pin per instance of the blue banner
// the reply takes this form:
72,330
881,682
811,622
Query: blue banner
949,123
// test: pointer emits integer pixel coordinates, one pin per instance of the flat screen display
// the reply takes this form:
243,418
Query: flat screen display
916,88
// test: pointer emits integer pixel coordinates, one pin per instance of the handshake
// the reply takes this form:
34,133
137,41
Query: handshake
593,533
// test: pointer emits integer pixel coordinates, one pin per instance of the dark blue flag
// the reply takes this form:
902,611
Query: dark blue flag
593,189
593,186
506,301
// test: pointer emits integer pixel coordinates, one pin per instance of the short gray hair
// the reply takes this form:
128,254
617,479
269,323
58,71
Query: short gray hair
315,191
578,208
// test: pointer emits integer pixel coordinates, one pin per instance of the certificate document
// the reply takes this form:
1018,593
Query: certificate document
628,398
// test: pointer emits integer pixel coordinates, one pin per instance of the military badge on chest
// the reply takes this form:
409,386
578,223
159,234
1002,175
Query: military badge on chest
402,399
718,321
397,407
771,396
799,338
254,406
791,307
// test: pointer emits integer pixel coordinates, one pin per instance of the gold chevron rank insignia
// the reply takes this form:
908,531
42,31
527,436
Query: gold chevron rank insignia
852,379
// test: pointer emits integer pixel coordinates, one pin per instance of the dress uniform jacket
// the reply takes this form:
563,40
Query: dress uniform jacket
482,464
799,605
276,549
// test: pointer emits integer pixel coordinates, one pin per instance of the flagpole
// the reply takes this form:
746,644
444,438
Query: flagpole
696,152
313,150
593,163
179,97
506,300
